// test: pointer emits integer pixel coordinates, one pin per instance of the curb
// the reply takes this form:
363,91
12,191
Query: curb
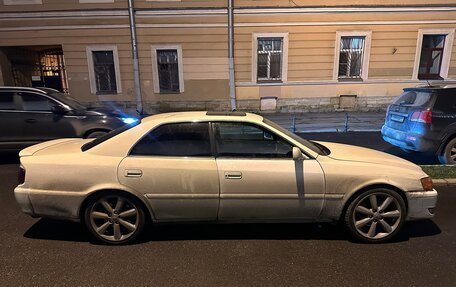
445,182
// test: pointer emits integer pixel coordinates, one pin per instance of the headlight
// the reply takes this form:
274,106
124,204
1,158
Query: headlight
129,120
427,184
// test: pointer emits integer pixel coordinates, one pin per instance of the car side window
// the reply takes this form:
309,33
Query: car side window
180,139
7,101
36,103
249,141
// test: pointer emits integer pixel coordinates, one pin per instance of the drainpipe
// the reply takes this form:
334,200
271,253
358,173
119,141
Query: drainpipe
134,46
231,54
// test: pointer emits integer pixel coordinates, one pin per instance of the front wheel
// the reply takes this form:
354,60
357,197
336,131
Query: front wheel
115,219
449,153
375,216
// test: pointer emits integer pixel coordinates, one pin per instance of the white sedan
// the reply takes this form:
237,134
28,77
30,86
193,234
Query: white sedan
219,167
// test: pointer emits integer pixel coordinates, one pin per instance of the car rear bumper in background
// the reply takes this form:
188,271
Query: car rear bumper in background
421,204
53,204
409,140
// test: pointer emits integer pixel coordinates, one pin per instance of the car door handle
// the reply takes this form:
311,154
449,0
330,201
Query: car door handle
233,175
133,173
30,121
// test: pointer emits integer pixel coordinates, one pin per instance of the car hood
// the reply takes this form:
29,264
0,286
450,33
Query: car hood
360,154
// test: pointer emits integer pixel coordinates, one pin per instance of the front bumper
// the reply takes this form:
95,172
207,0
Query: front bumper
421,204
409,140
51,204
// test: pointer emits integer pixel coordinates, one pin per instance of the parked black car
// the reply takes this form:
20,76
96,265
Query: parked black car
424,119
32,115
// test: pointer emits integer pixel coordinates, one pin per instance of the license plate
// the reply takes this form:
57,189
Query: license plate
397,118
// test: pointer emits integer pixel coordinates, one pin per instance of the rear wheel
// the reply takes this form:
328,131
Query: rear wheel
448,155
375,216
115,219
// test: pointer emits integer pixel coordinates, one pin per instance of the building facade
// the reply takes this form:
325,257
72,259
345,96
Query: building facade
289,55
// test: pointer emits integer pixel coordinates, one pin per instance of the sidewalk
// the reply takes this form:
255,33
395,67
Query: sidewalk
329,122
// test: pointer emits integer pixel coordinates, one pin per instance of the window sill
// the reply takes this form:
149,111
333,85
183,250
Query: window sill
350,80
110,93
269,83
170,93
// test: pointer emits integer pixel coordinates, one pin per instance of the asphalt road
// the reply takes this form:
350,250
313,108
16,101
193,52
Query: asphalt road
42,252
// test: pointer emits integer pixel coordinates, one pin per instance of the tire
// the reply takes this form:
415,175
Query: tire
115,218
96,134
448,155
368,221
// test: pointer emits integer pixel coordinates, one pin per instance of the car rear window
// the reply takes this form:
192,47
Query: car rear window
109,135
413,99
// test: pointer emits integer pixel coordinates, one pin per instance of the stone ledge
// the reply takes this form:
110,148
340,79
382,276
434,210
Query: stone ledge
445,182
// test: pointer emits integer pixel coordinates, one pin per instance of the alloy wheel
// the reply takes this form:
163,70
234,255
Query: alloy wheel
114,218
377,215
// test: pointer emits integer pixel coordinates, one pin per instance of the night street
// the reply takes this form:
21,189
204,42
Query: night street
55,253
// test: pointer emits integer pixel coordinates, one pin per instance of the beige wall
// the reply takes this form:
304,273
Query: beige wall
312,38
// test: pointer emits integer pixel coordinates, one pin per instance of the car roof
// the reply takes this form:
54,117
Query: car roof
39,90
433,87
204,115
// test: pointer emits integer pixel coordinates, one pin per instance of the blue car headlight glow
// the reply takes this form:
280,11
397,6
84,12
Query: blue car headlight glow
129,120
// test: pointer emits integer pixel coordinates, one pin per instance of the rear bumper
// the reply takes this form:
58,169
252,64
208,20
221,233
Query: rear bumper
52,204
409,140
421,204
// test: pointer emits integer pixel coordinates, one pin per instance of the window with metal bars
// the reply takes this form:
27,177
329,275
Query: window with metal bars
351,57
269,61
105,72
168,70
431,57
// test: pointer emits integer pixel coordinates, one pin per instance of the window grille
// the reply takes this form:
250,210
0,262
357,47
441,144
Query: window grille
351,57
105,72
269,59
168,71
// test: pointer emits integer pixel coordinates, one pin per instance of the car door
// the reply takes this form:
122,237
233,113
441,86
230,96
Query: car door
259,180
11,120
39,122
173,166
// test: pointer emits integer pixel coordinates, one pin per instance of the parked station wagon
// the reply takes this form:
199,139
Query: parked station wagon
219,167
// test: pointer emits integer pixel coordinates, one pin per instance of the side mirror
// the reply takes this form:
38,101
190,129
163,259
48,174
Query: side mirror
297,154
59,110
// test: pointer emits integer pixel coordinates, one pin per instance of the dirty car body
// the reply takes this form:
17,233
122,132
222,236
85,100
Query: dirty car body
215,167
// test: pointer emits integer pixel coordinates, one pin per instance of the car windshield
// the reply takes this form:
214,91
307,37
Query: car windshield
316,147
67,100
413,99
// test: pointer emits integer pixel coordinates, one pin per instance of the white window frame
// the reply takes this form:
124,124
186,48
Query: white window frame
22,2
255,37
180,65
96,1
115,53
447,50
366,55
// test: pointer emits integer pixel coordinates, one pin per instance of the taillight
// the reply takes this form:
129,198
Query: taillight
21,176
422,117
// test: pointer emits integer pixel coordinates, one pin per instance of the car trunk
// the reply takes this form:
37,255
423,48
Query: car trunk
57,146
400,112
